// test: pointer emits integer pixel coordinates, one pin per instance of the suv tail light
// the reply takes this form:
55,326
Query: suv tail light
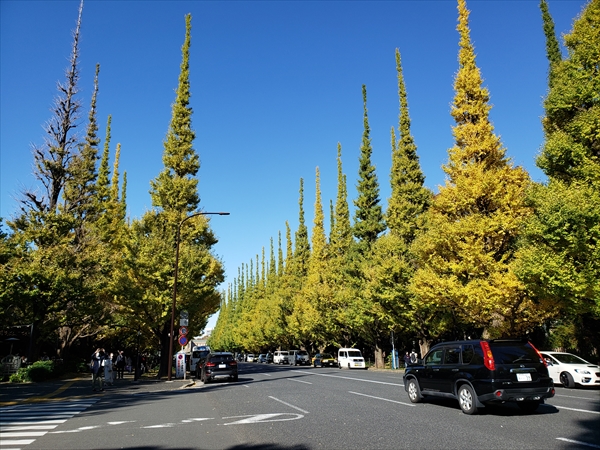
488,357
210,364
542,359
233,362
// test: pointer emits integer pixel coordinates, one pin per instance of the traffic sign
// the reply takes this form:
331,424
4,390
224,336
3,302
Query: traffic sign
183,340
183,331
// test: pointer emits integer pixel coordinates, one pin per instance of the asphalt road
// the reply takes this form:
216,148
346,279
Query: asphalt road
277,407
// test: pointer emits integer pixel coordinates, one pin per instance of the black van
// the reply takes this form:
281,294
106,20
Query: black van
477,372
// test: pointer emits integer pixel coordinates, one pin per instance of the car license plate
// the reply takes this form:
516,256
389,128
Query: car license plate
222,366
523,377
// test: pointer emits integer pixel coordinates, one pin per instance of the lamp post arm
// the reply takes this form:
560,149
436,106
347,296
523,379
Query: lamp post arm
176,269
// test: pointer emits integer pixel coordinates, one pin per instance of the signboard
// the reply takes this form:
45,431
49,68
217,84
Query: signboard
180,365
183,331
183,340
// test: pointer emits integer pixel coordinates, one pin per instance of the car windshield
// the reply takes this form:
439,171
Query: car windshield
302,352
567,358
326,356
354,353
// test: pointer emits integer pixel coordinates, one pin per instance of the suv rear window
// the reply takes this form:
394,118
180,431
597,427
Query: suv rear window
221,358
513,353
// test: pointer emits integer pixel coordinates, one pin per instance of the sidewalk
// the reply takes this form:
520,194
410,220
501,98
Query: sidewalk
80,386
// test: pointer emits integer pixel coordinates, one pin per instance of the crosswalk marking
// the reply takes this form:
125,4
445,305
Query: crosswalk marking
23,424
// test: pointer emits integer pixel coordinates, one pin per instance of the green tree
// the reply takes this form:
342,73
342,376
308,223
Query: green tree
466,256
151,256
560,255
368,216
552,46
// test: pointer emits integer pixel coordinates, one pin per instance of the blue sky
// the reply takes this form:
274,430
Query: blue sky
275,86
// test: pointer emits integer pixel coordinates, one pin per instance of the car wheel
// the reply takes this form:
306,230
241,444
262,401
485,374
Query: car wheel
567,380
414,393
529,407
348,366
234,378
466,399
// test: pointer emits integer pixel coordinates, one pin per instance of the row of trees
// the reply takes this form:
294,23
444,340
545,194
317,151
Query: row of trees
491,254
75,267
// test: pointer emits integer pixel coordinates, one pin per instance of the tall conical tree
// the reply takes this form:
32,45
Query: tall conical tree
302,246
409,199
552,46
175,189
341,235
368,216
466,256
103,180
174,195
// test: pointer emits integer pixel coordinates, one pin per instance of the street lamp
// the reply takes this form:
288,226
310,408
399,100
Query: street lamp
170,369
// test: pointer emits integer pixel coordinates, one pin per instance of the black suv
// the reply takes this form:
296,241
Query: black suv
477,372
217,365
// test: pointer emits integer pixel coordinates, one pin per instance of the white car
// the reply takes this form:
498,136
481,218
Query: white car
351,358
250,357
569,370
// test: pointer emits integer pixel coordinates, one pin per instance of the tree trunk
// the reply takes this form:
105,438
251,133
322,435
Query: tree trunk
379,360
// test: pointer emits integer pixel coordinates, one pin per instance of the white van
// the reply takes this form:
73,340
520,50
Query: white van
350,358
281,357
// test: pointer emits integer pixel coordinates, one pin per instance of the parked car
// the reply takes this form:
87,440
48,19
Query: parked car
250,357
281,357
217,365
298,357
350,358
269,358
480,372
324,360
262,358
571,370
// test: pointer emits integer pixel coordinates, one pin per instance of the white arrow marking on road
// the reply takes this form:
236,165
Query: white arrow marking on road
199,419
261,418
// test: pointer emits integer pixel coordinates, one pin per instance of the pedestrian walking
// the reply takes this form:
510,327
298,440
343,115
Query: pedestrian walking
108,370
406,359
97,370
120,365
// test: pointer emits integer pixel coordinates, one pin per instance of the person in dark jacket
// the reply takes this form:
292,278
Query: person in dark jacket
97,369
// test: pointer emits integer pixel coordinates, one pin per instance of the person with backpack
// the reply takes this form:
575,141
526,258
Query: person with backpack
97,369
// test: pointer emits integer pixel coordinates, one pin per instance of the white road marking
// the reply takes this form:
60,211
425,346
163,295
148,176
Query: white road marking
572,396
288,404
381,398
575,409
299,381
22,421
18,442
199,419
164,425
261,418
350,378
572,441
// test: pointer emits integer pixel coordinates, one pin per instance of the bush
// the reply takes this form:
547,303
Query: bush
38,371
